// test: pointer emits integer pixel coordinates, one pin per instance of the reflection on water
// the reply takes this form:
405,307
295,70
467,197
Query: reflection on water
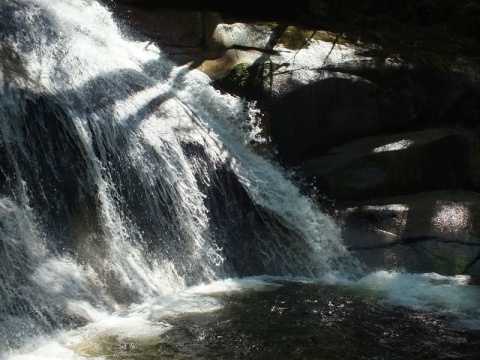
313,321
275,318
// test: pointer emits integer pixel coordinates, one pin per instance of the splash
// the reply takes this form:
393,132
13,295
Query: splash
125,177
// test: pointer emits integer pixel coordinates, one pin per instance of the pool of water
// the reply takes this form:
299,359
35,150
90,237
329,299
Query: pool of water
289,319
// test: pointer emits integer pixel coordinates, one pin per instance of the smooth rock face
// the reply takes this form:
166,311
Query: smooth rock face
374,101
400,164
395,146
169,27
324,114
432,231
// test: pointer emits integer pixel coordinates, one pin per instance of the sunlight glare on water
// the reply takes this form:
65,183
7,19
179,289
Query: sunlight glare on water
134,213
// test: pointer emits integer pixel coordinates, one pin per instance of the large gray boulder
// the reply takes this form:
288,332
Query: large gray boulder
377,99
427,232
401,164
366,123
324,114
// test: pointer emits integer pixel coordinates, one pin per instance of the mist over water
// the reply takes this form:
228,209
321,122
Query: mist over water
126,176
128,184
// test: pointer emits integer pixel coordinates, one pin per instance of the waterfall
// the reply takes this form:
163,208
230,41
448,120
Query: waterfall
124,176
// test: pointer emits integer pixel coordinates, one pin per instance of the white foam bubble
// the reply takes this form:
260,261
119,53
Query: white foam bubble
449,295
236,284
86,342
429,290
140,324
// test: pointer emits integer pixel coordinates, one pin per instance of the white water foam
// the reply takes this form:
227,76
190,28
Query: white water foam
431,292
144,323
132,105
140,323
59,42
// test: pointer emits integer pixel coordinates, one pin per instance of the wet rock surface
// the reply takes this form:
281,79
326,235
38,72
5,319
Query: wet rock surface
435,231
374,103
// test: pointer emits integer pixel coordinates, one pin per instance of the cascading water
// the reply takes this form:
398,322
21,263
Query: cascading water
128,182
124,176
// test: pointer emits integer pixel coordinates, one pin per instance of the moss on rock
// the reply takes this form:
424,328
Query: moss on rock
245,80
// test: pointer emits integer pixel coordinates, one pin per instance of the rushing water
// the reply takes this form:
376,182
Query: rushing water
132,203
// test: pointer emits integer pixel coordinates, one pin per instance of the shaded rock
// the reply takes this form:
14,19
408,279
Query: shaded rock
449,28
335,90
427,232
376,99
465,111
181,28
399,164
281,9
245,80
186,35
324,114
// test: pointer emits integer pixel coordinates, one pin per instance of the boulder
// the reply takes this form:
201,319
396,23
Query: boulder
324,114
376,99
427,232
245,80
186,35
182,28
370,100
401,164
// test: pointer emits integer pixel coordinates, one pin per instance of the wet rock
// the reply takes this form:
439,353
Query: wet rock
427,232
245,80
374,100
325,114
401,164
366,110
166,26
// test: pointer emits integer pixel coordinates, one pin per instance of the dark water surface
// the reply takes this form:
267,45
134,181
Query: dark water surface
305,321
127,180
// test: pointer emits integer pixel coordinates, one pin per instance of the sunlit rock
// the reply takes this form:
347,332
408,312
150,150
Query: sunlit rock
451,217
432,231
400,164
